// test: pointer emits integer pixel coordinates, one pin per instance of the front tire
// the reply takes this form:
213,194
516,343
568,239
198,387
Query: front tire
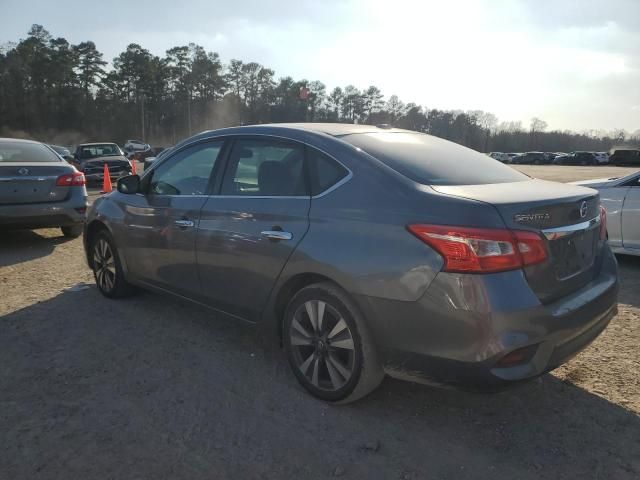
328,345
107,269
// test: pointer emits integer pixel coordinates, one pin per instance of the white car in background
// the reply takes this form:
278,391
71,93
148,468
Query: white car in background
601,157
501,157
620,197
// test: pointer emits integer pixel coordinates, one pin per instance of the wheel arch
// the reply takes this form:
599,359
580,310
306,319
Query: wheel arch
91,230
283,294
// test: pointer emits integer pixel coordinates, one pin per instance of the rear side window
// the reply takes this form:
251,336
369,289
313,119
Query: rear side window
433,161
265,168
26,152
324,172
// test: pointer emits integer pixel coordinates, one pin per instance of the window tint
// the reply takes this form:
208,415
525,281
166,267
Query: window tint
26,152
102,150
265,168
187,172
433,161
324,171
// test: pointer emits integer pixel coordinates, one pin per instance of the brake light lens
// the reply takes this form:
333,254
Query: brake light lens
75,179
482,250
603,223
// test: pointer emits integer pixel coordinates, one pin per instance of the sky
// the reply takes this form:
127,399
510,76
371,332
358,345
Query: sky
573,63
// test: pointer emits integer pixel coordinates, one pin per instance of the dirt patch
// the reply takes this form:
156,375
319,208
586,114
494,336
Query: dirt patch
149,387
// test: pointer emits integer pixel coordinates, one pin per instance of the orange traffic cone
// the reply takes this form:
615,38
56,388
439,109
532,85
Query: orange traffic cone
134,168
106,184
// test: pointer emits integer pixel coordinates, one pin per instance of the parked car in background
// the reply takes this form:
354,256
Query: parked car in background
621,199
90,158
149,160
576,158
625,157
549,156
530,158
38,189
511,155
491,277
501,157
136,146
64,152
601,157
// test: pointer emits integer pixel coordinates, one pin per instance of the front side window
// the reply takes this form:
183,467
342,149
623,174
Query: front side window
271,168
187,172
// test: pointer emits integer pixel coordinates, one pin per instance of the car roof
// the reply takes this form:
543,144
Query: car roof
333,129
96,143
19,140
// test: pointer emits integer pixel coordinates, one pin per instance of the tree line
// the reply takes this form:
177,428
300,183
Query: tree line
59,92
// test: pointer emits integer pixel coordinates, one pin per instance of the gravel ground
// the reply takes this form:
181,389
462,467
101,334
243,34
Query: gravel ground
150,387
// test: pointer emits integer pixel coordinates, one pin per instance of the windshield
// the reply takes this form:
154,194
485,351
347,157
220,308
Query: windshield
432,161
100,150
26,152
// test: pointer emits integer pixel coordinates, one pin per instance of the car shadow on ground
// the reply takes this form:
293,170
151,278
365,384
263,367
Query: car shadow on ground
17,246
149,387
629,267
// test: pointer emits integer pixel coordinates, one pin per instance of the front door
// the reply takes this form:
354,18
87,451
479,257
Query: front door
247,233
631,217
161,224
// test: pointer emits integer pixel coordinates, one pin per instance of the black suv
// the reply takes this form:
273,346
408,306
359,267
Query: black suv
625,157
576,158
536,158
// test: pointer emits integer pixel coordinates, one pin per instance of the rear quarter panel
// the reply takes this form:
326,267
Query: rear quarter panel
358,232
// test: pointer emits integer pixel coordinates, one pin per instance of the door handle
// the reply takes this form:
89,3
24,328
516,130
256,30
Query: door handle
184,223
276,235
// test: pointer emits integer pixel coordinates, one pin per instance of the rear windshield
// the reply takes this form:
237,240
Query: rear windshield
433,161
26,152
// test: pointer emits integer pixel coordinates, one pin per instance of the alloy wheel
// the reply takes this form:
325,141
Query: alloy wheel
104,265
322,345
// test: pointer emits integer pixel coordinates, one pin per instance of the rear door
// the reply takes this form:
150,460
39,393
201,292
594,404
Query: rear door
247,232
631,217
160,225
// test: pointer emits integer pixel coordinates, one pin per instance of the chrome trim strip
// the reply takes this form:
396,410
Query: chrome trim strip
559,232
233,136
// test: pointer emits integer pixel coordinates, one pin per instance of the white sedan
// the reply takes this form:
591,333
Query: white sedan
620,197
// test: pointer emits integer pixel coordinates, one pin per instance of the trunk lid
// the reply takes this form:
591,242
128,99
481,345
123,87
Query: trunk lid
32,182
567,217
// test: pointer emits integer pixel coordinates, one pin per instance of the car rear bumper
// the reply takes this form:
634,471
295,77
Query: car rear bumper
461,330
44,215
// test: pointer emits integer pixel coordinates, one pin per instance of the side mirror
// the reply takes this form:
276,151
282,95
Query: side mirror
129,184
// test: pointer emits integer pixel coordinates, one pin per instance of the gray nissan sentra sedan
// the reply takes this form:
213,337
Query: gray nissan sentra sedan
38,189
366,250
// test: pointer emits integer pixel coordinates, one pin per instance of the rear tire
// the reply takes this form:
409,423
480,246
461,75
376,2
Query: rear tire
328,345
107,269
73,231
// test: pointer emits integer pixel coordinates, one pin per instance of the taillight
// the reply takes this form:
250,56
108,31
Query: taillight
603,223
482,250
75,179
